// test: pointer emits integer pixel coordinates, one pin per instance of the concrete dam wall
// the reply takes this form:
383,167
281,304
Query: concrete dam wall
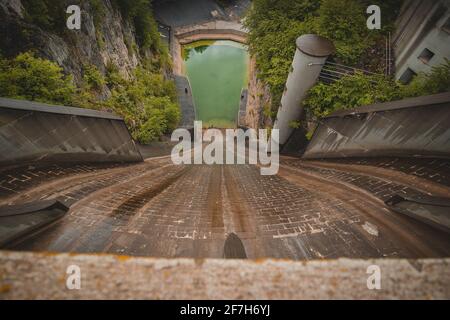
31,131
415,127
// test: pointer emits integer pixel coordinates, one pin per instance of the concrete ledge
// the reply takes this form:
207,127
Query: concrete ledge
43,276
440,98
43,107
417,127
213,34
211,30
210,25
434,211
36,132
186,101
19,221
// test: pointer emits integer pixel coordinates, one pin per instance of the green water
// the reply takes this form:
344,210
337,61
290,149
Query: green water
217,72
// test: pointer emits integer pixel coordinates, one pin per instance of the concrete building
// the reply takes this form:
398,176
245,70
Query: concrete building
422,37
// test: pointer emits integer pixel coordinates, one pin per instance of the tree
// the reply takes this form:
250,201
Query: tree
350,92
358,90
344,22
438,80
49,15
140,13
274,26
31,78
148,104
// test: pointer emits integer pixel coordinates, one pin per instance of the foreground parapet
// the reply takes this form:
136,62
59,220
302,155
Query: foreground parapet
43,276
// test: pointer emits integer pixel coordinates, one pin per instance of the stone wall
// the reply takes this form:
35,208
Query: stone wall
415,127
186,101
43,276
258,100
212,30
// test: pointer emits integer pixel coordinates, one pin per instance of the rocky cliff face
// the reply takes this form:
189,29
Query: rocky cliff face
112,41
258,98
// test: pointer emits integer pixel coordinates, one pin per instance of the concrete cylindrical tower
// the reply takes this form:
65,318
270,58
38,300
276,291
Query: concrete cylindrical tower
312,52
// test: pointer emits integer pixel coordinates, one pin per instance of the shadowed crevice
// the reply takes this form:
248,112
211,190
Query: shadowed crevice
234,248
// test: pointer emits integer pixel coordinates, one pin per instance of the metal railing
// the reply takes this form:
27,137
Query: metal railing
332,72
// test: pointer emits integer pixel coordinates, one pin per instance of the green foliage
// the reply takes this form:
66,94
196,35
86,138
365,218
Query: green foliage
31,78
309,135
47,14
113,77
87,95
438,80
148,102
274,26
294,124
92,77
358,90
160,116
350,92
140,13
98,12
267,111
148,105
344,21
51,15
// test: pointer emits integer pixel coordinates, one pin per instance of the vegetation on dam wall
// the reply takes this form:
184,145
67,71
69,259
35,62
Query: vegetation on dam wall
275,25
359,89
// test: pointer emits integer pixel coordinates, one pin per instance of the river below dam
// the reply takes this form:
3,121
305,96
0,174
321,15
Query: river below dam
217,71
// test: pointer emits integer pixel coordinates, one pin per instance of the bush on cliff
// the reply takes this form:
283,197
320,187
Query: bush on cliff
438,80
349,92
31,78
148,105
49,15
274,26
357,90
148,102
140,13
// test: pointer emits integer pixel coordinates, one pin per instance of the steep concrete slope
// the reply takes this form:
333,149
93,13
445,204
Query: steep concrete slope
309,210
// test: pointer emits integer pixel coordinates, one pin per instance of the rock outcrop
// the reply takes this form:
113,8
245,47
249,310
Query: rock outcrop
259,98
111,41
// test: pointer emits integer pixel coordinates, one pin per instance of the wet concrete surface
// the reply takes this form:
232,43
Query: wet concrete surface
308,211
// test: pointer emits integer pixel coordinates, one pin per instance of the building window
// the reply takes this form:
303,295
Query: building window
426,55
446,26
407,76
